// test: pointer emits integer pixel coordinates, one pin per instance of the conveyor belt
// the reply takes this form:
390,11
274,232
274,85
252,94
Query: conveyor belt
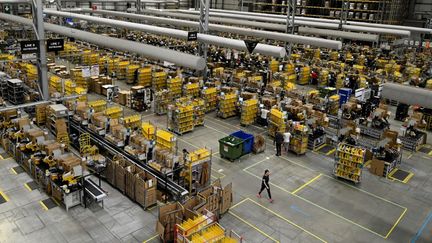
94,190
176,191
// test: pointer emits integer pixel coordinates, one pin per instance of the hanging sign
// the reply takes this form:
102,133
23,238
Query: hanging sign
250,45
192,36
28,47
55,45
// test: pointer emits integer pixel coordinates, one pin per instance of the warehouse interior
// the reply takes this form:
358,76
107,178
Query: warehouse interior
215,121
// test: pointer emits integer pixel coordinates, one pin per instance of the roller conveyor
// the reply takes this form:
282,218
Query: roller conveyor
175,190
94,190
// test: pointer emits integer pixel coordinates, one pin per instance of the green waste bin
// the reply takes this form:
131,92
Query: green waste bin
231,147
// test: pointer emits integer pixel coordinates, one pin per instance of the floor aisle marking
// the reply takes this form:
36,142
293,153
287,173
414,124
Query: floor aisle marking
237,204
423,226
320,147
306,184
327,210
4,196
253,226
43,206
1,157
216,130
331,151
395,224
28,188
332,178
152,238
288,221
13,171
430,153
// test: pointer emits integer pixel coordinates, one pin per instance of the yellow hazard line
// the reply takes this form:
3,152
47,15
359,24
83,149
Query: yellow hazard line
4,196
253,226
27,186
397,222
152,238
13,171
289,221
43,205
331,151
306,184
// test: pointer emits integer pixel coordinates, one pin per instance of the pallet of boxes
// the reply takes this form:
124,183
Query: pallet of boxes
215,200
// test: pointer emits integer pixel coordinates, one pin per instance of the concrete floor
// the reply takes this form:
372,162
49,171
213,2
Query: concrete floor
321,209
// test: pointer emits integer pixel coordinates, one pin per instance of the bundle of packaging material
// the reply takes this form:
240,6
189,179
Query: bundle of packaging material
259,144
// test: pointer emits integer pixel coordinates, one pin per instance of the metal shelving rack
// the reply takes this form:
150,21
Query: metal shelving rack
374,11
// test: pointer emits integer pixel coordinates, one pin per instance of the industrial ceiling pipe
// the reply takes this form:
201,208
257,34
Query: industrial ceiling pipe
149,51
335,21
297,39
407,94
228,18
264,49
338,34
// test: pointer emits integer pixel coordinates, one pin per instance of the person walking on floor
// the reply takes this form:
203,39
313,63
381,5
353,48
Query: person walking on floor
287,138
265,185
278,140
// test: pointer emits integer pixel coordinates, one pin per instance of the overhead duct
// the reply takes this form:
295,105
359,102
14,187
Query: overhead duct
151,52
407,94
338,34
215,12
280,27
264,49
298,39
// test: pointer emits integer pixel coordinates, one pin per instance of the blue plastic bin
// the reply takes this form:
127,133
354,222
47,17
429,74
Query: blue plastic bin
248,140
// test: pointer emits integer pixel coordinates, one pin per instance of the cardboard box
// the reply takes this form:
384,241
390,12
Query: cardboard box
110,174
61,127
33,134
169,216
23,122
120,171
130,173
377,167
52,146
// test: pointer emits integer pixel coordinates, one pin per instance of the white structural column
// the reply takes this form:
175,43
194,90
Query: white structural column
37,10
204,6
291,8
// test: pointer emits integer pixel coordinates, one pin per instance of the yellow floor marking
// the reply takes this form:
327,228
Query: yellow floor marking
237,204
43,205
56,202
410,155
430,153
1,157
320,147
152,238
253,226
331,151
322,208
397,222
250,166
307,183
219,131
4,196
346,184
28,188
288,221
331,212
13,171
223,175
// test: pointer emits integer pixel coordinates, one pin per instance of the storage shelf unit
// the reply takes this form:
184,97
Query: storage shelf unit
198,165
349,161
227,105
180,118
165,140
145,76
191,89
174,86
161,101
299,139
148,130
132,73
249,112
276,122
210,97
15,88
378,11
199,111
159,80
